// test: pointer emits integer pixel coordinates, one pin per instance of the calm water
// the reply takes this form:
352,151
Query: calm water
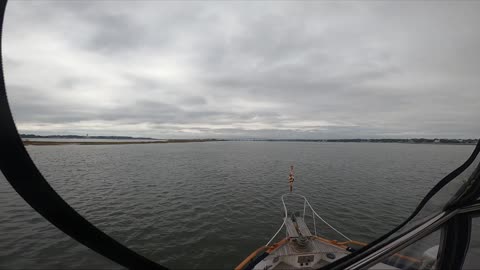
208,205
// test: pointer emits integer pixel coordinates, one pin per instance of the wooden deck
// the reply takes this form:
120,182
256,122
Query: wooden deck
315,246
291,230
300,229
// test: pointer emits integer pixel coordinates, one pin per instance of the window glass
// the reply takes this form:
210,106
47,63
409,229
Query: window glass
472,260
421,255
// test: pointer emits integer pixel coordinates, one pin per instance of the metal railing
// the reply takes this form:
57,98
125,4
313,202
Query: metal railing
305,203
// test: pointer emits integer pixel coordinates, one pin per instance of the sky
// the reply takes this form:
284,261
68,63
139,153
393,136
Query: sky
305,70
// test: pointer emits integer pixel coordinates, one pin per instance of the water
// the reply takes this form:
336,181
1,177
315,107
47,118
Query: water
208,205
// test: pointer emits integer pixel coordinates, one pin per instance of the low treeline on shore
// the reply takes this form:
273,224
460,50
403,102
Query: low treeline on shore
93,142
415,140
30,139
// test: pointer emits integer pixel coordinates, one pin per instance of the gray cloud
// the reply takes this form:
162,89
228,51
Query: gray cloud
264,69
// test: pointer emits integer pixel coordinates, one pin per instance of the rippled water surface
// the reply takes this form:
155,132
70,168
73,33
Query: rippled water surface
208,205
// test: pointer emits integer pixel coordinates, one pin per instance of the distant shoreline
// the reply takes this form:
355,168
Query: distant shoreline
75,137
401,141
46,143
100,140
113,142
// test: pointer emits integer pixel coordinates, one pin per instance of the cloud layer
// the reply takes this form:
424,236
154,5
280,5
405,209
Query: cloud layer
265,69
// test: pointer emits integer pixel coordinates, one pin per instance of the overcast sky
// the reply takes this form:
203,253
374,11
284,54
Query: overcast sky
252,70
